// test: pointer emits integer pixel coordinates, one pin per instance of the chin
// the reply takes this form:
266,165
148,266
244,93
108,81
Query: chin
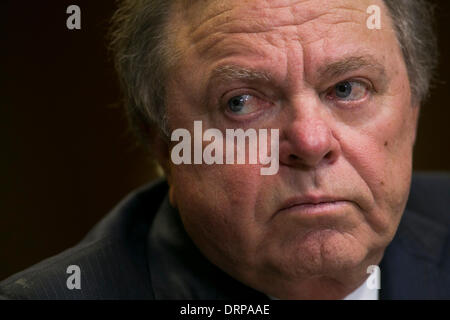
325,252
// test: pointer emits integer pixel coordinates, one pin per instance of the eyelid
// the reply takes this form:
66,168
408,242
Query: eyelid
242,91
365,82
239,92
368,84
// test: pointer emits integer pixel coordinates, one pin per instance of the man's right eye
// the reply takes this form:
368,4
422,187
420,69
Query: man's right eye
242,104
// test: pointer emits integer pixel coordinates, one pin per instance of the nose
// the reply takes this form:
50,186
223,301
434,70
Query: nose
308,139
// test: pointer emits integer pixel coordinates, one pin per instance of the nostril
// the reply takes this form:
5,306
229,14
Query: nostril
293,157
329,155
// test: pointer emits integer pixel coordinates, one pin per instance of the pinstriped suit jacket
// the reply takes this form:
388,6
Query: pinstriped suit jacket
141,251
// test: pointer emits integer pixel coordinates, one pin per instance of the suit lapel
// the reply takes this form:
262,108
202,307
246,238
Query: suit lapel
410,266
180,271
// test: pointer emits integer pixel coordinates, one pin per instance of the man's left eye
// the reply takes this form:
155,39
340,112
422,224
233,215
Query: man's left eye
349,91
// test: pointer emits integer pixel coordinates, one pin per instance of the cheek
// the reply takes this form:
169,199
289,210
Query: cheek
381,154
220,205
398,148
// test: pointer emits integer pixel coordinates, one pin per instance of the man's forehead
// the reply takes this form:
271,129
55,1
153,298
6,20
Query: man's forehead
249,29
259,14
204,24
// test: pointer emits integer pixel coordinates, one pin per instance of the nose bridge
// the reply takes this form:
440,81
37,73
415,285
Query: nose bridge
309,122
308,137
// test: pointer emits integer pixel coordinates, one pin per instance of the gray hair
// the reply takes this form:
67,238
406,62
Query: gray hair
141,50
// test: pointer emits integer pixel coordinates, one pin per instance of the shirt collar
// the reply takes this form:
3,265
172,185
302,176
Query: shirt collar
363,293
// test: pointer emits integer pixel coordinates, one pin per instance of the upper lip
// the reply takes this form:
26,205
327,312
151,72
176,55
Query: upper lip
309,199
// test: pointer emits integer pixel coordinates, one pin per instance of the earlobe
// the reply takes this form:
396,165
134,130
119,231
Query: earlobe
416,122
162,153
160,150
172,196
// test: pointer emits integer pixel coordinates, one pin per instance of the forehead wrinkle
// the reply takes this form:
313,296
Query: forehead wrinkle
265,19
220,45
233,45
225,23
217,19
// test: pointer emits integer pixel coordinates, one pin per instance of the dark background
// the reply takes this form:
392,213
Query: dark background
67,156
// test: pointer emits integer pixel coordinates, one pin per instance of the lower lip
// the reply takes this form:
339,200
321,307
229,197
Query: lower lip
319,208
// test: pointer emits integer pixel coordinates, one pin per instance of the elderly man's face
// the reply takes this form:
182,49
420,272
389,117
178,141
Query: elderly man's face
339,94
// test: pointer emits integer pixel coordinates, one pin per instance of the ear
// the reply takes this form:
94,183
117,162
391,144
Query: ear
415,120
160,149
159,146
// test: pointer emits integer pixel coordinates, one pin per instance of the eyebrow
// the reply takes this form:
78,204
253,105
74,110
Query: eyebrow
349,64
234,72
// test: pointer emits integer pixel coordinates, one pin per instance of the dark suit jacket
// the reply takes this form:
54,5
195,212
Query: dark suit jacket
141,251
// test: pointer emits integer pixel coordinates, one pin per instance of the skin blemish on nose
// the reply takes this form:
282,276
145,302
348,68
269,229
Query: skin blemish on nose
382,183
385,143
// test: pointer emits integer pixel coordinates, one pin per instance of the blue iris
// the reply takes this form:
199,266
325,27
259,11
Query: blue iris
237,103
343,89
